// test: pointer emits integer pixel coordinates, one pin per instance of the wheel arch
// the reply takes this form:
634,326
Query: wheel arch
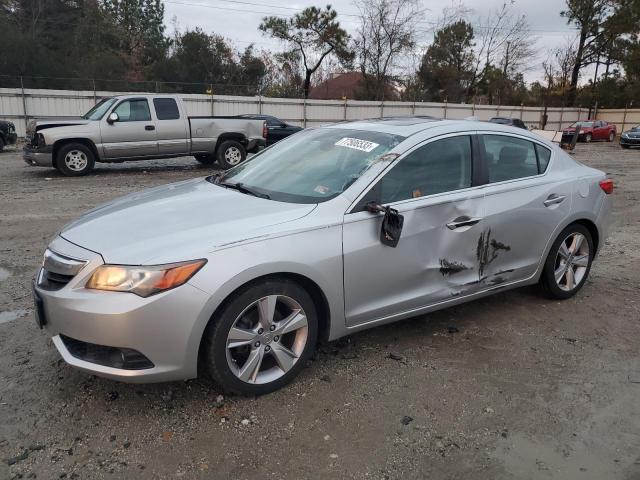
313,289
237,136
58,144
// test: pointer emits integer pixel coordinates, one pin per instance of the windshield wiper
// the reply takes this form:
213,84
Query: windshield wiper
242,188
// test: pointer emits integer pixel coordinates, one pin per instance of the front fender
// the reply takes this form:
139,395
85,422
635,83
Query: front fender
315,254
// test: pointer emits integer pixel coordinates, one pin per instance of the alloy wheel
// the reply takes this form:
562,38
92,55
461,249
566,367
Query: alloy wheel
267,339
76,160
233,156
572,261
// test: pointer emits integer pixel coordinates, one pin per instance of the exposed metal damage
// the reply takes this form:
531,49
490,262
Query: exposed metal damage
450,267
487,251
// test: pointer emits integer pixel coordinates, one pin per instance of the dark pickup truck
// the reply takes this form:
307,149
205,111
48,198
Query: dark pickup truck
8,134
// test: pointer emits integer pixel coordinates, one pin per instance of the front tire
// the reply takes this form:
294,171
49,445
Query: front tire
74,160
1,144
568,263
624,146
261,338
231,153
588,138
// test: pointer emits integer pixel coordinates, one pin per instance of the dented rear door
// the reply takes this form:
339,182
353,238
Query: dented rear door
521,213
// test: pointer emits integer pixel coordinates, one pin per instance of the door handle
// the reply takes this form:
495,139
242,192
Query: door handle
554,199
149,127
463,221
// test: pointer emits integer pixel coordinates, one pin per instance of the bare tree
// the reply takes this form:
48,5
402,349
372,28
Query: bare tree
504,43
386,35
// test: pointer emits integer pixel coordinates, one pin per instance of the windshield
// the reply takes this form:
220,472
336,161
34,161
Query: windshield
312,166
99,109
582,124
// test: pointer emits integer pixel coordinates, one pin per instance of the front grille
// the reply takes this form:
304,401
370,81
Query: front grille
123,358
58,270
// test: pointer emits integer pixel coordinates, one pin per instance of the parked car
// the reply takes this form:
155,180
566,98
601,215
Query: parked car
138,127
630,138
333,230
8,134
276,128
590,130
514,122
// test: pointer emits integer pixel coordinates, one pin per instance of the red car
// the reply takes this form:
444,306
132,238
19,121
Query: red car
590,130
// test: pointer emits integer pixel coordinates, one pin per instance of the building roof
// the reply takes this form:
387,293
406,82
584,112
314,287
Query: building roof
340,85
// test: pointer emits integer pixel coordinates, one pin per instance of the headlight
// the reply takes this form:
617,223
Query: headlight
143,280
41,140
624,135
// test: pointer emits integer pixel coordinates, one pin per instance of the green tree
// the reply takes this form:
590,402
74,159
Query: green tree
314,33
447,65
141,28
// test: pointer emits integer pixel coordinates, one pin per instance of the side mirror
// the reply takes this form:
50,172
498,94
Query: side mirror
392,223
113,117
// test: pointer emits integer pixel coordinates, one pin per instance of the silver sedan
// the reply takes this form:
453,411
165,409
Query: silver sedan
331,231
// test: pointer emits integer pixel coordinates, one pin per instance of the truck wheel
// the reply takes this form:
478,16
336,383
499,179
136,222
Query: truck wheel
612,136
231,153
75,160
205,159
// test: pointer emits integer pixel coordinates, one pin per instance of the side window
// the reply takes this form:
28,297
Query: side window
136,110
440,166
166,108
272,121
544,154
509,158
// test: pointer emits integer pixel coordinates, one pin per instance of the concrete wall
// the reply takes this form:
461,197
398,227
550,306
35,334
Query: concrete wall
18,108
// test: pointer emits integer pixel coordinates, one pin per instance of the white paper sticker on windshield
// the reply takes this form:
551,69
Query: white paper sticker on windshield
357,144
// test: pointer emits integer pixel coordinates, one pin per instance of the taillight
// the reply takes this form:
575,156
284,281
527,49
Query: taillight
607,186
264,129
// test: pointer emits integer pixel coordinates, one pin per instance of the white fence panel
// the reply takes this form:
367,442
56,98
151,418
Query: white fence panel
63,103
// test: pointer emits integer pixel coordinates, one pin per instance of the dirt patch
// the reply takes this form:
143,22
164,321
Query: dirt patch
511,386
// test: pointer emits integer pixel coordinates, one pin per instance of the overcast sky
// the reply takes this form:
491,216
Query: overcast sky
238,20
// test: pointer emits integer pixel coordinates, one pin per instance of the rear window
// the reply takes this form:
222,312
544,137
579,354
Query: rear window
166,108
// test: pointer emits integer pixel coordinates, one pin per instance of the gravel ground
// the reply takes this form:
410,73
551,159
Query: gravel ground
512,386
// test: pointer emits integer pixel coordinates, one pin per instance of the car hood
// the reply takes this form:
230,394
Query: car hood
177,222
43,123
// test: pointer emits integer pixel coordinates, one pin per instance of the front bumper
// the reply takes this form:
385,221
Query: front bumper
634,142
39,157
160,327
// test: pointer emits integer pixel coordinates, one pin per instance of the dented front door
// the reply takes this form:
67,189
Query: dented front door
435,260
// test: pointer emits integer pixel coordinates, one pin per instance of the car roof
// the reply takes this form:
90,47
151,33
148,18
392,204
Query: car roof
407,126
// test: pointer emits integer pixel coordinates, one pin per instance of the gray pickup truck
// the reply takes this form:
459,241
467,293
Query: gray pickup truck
138,127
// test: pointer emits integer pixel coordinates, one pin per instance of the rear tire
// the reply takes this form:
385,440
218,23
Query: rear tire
74,160
261,338
612,136
588,138
568,263
205,159
231,153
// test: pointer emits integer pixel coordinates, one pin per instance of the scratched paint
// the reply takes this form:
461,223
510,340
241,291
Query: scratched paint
487,251
450,267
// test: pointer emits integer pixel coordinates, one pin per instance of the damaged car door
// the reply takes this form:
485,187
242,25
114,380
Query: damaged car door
433,188
523,207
